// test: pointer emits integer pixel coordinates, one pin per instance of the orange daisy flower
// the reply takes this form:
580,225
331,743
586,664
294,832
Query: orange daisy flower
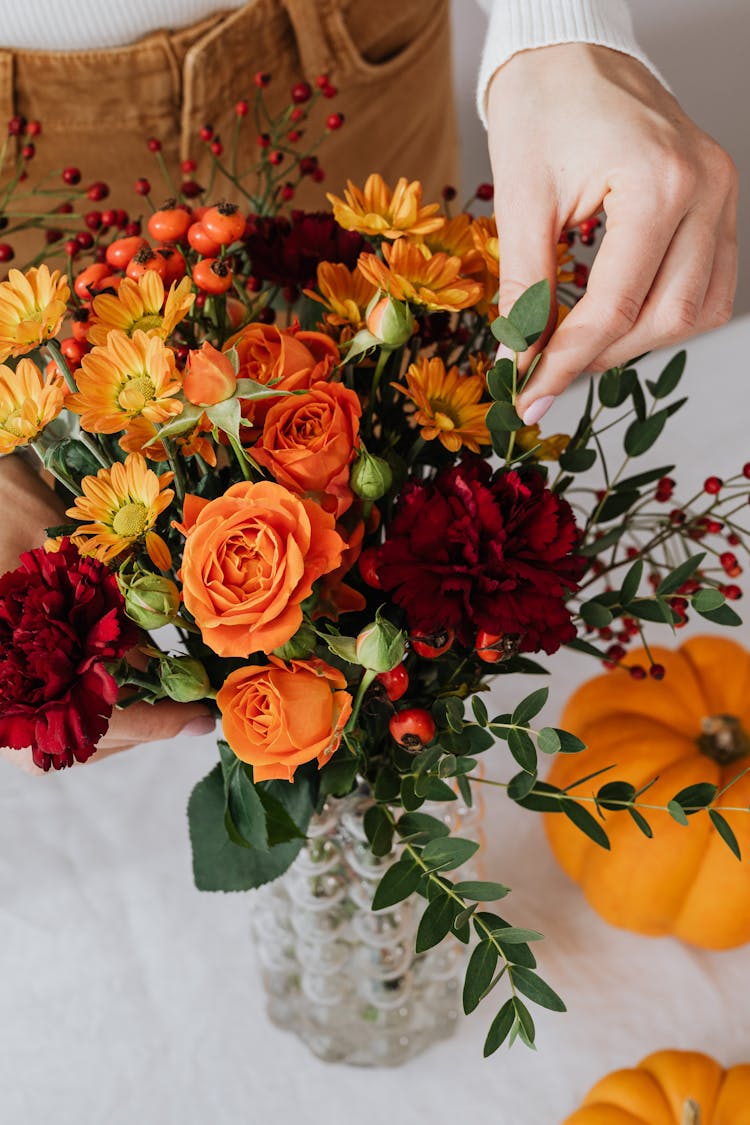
140,306
345,293
455,239
123,504
32,306
447,404
549,449
376,210
412,274
29,400
126,379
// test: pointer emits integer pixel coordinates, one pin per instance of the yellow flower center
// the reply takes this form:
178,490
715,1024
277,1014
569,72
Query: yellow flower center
131,520
136,393
146,323
443,415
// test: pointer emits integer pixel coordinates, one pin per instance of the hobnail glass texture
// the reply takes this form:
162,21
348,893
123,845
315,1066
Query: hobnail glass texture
346,979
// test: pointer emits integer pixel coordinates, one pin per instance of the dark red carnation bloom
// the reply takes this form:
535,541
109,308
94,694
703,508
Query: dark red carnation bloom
61,618
287,252
472,551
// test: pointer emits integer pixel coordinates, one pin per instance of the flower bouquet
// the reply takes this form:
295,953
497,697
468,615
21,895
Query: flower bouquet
298,489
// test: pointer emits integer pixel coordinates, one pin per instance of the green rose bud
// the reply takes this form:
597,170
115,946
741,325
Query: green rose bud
371,477
150,599
299,646
184,678
390,322
380,646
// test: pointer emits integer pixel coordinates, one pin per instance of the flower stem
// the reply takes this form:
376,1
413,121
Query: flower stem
364,684
53,348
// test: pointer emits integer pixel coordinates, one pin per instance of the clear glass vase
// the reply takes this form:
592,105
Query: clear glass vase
346,979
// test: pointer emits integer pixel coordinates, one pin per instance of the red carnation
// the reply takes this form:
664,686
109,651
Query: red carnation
62,617
287,252
472,551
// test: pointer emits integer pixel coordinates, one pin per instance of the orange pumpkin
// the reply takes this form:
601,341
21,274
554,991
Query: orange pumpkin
690,727
669,1088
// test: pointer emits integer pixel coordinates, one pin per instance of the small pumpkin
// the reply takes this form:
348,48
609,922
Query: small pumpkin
669,1088
692,726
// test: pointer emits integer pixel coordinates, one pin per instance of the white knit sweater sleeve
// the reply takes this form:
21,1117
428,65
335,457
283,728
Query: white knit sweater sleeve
519,25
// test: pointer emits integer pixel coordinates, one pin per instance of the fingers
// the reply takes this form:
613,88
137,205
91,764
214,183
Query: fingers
22,760
147,722
633,247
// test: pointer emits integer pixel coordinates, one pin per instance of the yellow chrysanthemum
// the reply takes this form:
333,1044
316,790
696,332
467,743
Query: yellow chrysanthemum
447,404
32,306
376,210
29,400
345,293
122,505
455,239
140,306
125,379
548,449
409,275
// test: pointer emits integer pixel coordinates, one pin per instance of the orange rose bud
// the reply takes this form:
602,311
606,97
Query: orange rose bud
251,557
209,376
277,716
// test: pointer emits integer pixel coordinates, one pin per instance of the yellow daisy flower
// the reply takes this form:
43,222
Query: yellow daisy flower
140,306
29,400
125,379
549,449
345,293
455,239
123,504
376,210
447,404
410,273
32,306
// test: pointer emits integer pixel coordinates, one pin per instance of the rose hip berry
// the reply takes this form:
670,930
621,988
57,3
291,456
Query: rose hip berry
413,728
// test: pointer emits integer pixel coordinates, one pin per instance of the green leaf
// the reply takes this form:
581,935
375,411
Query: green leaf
522,748
596,546
71,461
641,435
507,333
677,813
464,788
530,313
436,922
577,460
693,798
410,799
707,600
612,795
502,417
615,386
631,582
641,822
652,609
587,823
515,935
399,881
616,504
479,973
521,785
454,713
548,740
669,378
481,891
421,827
479,708
448,853
569,743
537,990
219,864
725,831
595,615
338,776
387,785
723,615
500,1028
437,790
529,707
378,829
281,825
500,380
680,574
426,759
524,1022
542,798
245,808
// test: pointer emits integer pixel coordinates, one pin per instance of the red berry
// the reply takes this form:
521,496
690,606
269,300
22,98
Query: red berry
297,114
253,284
27,152
71,176
637,672
580,275
746,470
307,165
261,79
153,144
322,81
142,186
224,223
485,192
713,527
52,235
188,166
657,671
7,252
395,682
287,192
369,562
276,157
264,140
334,121
301,92
294,135
98,191
212,275
732,593
329,91
85,239
615,652
677,516
170,223
34,128
71,248
728,560
733,540
318,176
216,147
191,188
267,315
413,728
206,132
132,229
16,126
449,193
242,108
712,485
433,645
93,219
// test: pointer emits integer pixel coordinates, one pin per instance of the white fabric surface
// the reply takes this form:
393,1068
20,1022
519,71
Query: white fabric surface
128,997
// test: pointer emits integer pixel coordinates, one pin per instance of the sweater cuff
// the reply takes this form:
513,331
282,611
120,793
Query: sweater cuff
521,25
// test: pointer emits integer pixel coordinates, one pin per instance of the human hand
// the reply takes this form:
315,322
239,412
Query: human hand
28,507
574,129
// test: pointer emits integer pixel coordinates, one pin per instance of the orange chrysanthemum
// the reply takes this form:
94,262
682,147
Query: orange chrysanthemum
32,306
545,449
345,293
411,273
29,400
455,238
140,306
140,434
123,504
126,379
447,405
376,210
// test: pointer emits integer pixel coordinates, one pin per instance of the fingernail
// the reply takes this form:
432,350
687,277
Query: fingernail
537,410
204,724
504,352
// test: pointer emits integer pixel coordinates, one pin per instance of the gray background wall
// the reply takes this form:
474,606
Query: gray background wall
703,51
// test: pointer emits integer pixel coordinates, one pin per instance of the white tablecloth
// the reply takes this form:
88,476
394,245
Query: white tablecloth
128,997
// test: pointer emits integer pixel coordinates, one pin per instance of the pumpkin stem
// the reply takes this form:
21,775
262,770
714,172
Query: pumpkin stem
691,1113
723,738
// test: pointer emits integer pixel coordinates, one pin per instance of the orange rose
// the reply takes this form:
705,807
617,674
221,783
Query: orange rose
277,716
291,360
309,442
209,376
251,557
